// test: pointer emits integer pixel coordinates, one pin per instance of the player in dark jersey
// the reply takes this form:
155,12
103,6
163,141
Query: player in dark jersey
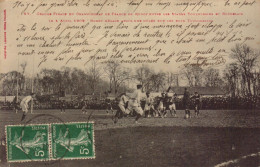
15,104
186,103
62,106
109,106
167,102
197,103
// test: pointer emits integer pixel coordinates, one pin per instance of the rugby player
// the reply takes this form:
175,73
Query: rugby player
24,104
172,105
62,106
197,103
123,101
186,103
148,105
135,103
84,106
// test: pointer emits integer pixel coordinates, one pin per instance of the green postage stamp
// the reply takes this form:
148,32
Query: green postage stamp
26,143
73,141
45,142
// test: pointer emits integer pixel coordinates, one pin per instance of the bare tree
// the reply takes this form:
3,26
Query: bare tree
231,75
94,73
247,59
193,74
10,82
212,77
143,75
117,74
157,81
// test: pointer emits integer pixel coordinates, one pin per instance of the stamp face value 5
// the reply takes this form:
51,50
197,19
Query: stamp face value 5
73,141
27,143
50,142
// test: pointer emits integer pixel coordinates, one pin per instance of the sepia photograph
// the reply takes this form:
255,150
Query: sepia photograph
130,83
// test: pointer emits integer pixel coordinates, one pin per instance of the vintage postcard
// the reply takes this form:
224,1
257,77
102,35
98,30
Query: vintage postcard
130,83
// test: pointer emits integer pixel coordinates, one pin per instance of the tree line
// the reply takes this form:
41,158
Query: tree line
239,78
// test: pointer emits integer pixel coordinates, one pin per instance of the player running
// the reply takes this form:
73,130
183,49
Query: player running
133,105
24,104
123,101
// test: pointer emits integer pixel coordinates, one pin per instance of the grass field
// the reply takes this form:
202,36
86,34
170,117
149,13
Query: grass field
216,138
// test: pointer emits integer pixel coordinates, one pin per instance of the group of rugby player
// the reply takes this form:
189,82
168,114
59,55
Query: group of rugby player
130,104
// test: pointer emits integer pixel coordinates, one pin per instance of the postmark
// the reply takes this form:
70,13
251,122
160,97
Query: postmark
76,139
48,118
27,143
49,142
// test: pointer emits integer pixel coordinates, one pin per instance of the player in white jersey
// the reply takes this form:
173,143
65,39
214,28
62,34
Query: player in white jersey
24,104
135,103
172,105
148,105
122,107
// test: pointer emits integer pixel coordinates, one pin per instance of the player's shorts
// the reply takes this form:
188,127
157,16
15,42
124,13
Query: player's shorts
147,107
172,107
122,108
160,106
138,110
197,106
186,105
24,107
134,106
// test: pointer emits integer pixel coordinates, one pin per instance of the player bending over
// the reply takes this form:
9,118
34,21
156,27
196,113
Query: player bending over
134,104
123,101
24,104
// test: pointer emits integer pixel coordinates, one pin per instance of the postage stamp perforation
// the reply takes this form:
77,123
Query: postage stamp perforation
7,145
68,144
83,131
49,141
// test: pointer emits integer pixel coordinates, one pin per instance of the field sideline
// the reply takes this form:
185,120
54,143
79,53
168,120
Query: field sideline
217,137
